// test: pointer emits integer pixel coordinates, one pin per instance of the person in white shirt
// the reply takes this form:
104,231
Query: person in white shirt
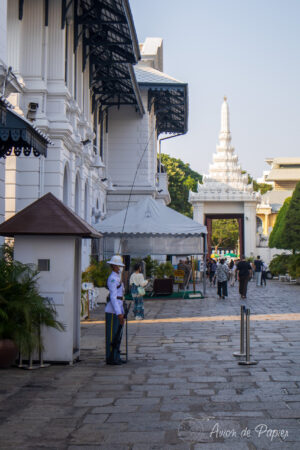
137,284
264,269
114,312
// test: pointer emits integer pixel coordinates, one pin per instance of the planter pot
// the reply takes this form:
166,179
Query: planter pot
101,295
8,353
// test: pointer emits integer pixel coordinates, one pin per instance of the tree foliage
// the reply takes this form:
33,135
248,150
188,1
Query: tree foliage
182,179
291,229
258,187
225,233
278,238
280,264
97,273
22,309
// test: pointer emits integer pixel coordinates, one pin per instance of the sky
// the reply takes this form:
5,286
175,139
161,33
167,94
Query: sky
248,50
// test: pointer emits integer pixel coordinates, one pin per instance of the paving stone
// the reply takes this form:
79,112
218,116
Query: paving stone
178,374
93,401
135,437
95,418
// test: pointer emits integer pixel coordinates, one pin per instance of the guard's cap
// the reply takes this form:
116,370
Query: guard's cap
116,260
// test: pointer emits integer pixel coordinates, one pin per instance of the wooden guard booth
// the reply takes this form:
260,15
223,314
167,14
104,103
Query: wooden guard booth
48,235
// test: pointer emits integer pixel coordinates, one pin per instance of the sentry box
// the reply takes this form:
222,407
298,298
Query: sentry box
48,235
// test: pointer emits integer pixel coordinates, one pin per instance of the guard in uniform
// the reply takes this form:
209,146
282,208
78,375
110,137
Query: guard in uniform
114,313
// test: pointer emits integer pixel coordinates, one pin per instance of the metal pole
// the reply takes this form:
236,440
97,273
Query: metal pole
126,339
242,333
159,158
204,263
193,273
88,304
247,362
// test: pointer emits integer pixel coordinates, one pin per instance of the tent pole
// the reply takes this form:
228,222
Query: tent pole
204,263
193,272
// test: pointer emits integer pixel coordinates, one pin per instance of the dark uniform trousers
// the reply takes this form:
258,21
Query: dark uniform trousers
243,285
111,328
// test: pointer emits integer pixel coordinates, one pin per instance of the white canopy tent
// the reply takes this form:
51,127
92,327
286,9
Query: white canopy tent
150,227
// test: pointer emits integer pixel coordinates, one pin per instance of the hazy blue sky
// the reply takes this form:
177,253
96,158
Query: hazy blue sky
248,50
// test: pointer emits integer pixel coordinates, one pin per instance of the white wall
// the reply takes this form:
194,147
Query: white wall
3,18
267,254
3,57
61,283
2,193
250,228
128,136
132,155
37,54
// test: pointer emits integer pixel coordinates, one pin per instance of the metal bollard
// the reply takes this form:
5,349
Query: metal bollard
247,362
242,333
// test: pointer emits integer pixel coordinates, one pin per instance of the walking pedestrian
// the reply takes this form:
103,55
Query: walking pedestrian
137,284
264,269
257,266
181,266
232,268
212,272
222,273
244,272
114,313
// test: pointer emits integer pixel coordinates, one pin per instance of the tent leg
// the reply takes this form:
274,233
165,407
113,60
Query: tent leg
204,263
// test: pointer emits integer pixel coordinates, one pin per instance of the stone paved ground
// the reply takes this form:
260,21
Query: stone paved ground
182,388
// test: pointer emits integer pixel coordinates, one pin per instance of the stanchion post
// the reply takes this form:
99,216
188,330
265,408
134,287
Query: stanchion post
247,362
242,333
88,304
126,339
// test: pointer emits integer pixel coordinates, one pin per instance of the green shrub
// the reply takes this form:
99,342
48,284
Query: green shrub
97,273
280,264
164,270
22,310
294,266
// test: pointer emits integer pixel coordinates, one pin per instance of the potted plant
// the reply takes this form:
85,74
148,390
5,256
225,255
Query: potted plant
165,270
164,277
22,310
97,273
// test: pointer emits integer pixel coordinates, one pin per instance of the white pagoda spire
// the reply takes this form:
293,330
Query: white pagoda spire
225,167
225,136
225,117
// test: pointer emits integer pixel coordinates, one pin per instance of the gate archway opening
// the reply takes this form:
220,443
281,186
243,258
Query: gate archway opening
209,224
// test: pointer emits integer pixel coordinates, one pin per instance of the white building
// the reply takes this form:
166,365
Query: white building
18,136
75,59
225,192
132,157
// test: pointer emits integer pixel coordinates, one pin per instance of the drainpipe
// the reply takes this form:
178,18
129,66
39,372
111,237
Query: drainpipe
159,143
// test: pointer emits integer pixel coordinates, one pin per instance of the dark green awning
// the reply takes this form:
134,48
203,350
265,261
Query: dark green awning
18,135
169,97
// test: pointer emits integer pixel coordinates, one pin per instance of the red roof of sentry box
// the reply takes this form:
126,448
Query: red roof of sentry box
47,216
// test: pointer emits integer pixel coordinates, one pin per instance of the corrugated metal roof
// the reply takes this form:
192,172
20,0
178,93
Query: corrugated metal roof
148,75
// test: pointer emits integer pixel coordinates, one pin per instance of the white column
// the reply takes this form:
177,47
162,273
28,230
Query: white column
2,193
198,214
250,228
3,30
14,41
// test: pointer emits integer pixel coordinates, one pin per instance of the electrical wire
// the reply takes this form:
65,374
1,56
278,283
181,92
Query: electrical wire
132,186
